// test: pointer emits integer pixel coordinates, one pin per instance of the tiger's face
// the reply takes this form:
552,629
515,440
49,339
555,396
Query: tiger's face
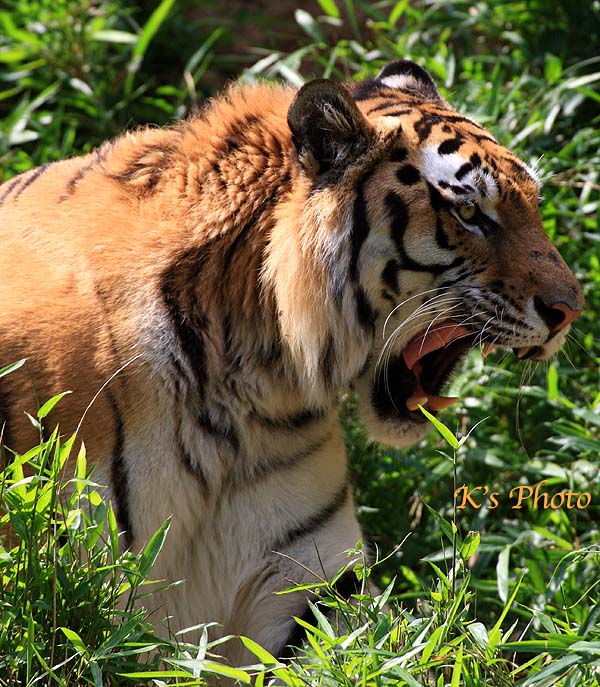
445,246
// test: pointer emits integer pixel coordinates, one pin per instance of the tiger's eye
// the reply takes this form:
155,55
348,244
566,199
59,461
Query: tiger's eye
467,212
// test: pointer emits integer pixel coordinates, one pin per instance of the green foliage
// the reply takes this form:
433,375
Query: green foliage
67,593
486,595
72,75
72,600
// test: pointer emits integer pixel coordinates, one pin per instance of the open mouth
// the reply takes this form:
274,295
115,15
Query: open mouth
417,376
425,365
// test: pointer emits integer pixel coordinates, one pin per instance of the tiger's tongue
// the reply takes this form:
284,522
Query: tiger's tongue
420,346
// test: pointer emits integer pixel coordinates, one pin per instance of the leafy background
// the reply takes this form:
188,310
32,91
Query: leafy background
75,72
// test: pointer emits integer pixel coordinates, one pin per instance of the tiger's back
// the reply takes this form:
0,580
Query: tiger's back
207,290
87,242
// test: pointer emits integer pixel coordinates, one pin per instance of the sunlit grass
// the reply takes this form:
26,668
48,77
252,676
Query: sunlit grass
517,603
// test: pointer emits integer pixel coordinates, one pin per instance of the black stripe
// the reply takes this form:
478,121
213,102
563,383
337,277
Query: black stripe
398,155
10,185
232,144
216,168
383,106
457,190
178,373
179,288
98,158
237,136
463,170
149,171
461,119
487,225
364,367
231,356
360,227
328,362
365,313
178,292
315,521
252,474
398,211
463,274
506,318
389,276
267,350
408,175
441,237
218,431
291,422
119,474
475,160
397,113
484,137
348,585
428,120
30,179
450,145
517,166
424,125
270,353
297,636
193,467
437,200
359,233
364,90
399,218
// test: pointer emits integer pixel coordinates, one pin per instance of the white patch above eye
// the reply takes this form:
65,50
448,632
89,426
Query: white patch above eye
478,186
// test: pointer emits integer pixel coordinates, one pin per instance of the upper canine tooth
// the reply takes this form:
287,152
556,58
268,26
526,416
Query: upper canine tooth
487,349
523,351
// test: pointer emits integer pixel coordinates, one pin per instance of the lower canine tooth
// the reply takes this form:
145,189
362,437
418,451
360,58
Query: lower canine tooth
523,351
415,401
441,402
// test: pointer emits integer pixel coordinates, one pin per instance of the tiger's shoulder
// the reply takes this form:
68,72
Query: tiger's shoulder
89,243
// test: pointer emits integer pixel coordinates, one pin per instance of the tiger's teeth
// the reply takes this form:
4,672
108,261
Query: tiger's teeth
487,349
523,351
415,401
441,402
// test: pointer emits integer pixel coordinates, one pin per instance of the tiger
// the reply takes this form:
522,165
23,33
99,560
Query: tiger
209,290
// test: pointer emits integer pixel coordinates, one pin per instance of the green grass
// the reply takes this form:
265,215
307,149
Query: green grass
516,604
72,607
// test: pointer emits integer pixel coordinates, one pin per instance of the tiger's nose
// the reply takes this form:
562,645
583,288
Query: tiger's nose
556,316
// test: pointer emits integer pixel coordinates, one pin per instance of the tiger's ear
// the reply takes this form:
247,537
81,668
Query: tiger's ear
407,76
327,127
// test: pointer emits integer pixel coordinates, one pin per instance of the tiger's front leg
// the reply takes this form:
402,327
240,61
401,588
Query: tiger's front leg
266,615
258,528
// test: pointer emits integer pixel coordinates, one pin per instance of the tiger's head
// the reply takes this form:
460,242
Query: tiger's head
437,246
